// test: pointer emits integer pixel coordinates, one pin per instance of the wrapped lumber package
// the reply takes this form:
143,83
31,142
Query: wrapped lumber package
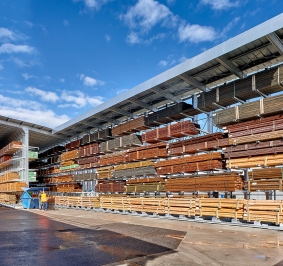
104,172
131,140
220,208
68,188
89,150
85,139
273,105
69,155
133,165
180,206
84,176
167,114
264,211
140,171
112,187
221,182
142,185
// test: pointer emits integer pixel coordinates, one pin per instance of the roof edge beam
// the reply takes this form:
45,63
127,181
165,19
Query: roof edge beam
231,67
275,40
193,81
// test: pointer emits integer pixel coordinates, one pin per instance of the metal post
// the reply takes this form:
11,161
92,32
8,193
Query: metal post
195,104
246,177
209,123
25,155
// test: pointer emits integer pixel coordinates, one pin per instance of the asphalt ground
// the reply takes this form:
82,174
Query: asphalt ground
79,237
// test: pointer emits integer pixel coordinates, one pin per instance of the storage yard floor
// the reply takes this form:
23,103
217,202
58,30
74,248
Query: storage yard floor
79,237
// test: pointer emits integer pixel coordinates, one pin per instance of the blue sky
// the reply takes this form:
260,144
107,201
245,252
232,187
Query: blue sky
59,59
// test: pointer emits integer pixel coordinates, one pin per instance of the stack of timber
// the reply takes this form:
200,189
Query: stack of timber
89,150
220,208
153,151
270,211
11,148
177,130
8,198
131,172
168,114
101,135
73,145
248,111
133,165
203,143
221,182
114,202
149,205
264,179
120,143
12,186
104,172
9,177
67,188
267,82
60,179
180,206
54,159
81,201
89,162
69,155
134,125
145,185
110,187
84,176
112,159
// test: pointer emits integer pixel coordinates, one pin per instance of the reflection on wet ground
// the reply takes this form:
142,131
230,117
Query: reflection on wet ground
28,239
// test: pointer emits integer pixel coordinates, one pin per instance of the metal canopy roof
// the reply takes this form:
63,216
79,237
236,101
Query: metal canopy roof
249,52
255,49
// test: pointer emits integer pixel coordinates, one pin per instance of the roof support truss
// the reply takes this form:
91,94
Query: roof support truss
231,67
167,95
275,40
193,81
142,104
122,112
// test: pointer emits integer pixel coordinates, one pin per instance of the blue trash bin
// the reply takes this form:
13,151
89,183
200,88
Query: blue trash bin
26,199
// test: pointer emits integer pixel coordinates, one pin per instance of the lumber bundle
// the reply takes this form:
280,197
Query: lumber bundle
167,114
263,185
153,151
104,172
12,186
53,151
73,145
8,198
177,130
111,159
220,208
150,205
180,206
266,173
131,172
89,150
10,176
191,167
267,82
129,127
112,202
89,162
84,176
81,202
54,160
117,186
145,180
68,188
249,111
264,211
221,182
5,158
69,155
145,187
60,179
190,159
11,148
133,165
253,149
256,161
69,167
196,144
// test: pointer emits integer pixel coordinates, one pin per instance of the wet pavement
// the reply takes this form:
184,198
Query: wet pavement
31,239
79,237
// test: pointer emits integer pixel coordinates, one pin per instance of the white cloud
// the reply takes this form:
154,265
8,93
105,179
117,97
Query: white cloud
133,38
11,102
89,81
19,62
229,26
196,33
9,48
93,4
47,96
26,76
66,22
163,63
78,99
62,80
41,117
147,13
220,4
108,38
121,91
1,67
6,34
